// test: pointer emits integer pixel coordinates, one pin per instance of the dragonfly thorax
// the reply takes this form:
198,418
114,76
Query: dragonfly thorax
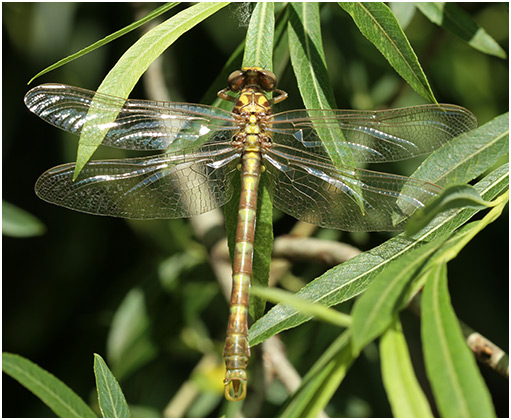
252,101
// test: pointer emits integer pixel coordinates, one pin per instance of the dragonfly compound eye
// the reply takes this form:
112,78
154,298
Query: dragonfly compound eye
236,81
267,80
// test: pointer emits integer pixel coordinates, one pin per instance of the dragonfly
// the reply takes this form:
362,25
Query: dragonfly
202,148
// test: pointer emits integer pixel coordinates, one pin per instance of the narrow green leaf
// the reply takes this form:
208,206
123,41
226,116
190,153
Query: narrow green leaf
454,245
317,311
322,380
130,67
263,245
377,308
111,399
155,13
259,40
452,197
259,52
308,57
129,343
377,23
467,156
347,280
451,17
309,66
403,390
457,384
19,223
50,390
259,37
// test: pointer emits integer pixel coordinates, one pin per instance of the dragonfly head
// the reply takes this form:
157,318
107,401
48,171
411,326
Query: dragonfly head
252,77
235,388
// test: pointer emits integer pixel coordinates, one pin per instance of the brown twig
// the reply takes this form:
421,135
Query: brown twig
313,250
486,352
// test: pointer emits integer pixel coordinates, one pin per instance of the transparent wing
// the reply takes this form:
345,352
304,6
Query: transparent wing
165,186
140,125
378,136
310,188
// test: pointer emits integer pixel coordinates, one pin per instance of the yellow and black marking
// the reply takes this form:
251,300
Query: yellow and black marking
253,109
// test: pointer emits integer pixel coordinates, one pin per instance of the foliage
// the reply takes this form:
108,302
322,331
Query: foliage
142,291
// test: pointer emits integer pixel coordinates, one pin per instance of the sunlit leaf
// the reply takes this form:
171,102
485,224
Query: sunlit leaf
468,155
317,311
377,308
452,197
130,67
309,66
403,390
378,24
259,40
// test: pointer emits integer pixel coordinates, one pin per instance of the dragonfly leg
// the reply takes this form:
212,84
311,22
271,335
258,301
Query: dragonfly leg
282,96
225,96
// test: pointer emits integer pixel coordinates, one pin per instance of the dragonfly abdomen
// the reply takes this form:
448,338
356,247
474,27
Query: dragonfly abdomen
236,349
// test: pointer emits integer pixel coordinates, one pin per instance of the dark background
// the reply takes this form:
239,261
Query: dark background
62,290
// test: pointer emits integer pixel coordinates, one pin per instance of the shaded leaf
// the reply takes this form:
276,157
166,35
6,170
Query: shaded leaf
129,343
130,67
403,390
457,384
50,390
111,399
377,23
451,17
322,380
20,223
155,13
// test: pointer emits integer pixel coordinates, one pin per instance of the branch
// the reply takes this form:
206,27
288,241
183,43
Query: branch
486,352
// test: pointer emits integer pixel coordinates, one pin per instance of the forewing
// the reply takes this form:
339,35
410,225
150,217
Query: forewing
165,186
378,136
308,187
140,125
